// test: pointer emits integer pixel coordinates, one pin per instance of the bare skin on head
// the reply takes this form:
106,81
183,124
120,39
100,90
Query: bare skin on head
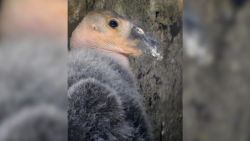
107,32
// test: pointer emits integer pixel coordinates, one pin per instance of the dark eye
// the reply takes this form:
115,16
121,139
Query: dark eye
113,23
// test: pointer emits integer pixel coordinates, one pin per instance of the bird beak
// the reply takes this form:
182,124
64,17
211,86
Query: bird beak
146,42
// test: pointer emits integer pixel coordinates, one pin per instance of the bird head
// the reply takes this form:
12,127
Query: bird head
110,32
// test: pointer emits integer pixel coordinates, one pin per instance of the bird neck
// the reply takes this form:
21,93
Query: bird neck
119,58
80,40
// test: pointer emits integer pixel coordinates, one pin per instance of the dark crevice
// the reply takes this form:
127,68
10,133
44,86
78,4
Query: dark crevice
149,101
156,14
161,132
174,29
171,18
162,26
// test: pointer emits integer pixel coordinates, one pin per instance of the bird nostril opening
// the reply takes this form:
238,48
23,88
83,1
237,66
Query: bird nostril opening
139,30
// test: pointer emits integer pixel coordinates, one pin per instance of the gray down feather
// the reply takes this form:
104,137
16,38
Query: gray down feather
103,101
33,87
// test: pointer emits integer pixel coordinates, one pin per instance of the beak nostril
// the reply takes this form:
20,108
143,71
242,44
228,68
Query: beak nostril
139,30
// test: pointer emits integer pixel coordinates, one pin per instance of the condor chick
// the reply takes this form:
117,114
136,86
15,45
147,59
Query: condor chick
103,101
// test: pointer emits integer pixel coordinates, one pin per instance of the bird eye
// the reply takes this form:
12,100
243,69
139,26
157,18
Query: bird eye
113,23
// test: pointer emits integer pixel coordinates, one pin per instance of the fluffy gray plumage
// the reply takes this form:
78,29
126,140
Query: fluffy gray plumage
103,102
33,87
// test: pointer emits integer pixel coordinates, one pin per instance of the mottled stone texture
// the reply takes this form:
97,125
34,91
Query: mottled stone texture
159,82
216,97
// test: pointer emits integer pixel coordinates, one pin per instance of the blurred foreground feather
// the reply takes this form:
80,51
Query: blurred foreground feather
33,70
34,18
33,85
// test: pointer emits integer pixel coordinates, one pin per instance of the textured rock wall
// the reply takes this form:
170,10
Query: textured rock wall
159,82
216,96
